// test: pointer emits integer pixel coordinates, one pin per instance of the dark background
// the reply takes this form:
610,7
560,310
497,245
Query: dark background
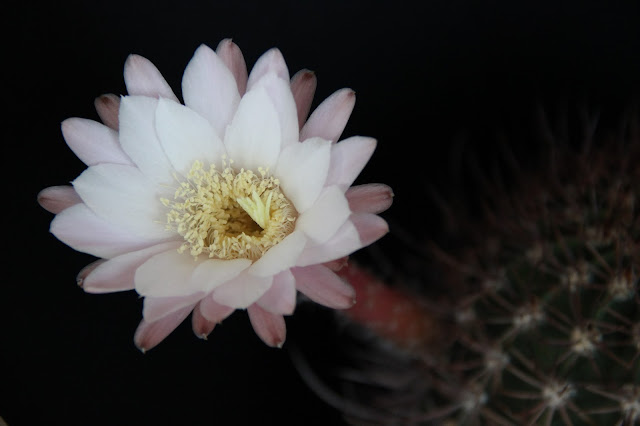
424,75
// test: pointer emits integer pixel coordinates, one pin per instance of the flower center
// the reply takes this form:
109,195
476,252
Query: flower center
228,214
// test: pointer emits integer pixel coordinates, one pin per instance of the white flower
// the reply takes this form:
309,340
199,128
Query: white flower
216,205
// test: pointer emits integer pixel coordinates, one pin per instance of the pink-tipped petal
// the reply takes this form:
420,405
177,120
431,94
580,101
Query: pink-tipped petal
107,107
281,297
84,272
202,327
143,78
303,87
331,116
369,198
148,335
213,311
345,241
117,274
57,198
242,291
321,285
93,142
269,327
327,214
348,158
231,55
270,62
370,227
338,264
156,308
210,89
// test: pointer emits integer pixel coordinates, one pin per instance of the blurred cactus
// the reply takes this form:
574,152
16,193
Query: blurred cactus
539,318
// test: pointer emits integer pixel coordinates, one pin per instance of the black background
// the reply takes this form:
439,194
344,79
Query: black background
423,76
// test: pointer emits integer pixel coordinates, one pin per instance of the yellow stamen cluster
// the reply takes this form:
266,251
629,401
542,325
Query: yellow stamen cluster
229,214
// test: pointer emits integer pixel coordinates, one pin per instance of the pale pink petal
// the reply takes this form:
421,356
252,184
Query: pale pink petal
80,228
321,285
303,87
139,140
213,311
107,107
231,55
142,78
330,117
302,170
82,275
202,327
338,264
156,308
93,142
348,158
270,62
210,273
124,196
370,227
369,198
57,198
149,335
168,274
242,291
117,274
271,328
210,89
281,297
327,214
281,256
253,138
186,137
279,92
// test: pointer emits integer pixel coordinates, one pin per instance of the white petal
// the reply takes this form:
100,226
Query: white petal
253,137
231,55
211,273
348,158
139,139
82,230
210,89
281,256
143,78
271,61
271,328
281,297
57,198
279,92
331,116
345,241
124,196
156,308
326,215
117,274
302,170
242,291
167,274
92,142
187,137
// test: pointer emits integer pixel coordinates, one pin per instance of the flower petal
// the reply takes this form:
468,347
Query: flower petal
303,87
186,137
168,274
211,273
302,170
231,55
148,335
108,107
281,256
253,138
242,291
213,311
156,308
123,195
210,89
321,285
279,92
271,61
331,116
118,273
80,228
142,78
370,227
202,327
139,140
57,198
281,297
326,215
369,198
348,158
92,142
271,328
